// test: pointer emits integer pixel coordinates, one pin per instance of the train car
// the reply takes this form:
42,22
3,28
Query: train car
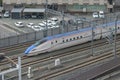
2,56
65,40
111,27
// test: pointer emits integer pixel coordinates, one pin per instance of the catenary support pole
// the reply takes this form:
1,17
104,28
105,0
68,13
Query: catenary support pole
3,77
19,68
115,36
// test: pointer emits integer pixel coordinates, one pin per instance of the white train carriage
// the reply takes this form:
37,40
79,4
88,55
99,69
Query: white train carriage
65,40
60,41
111,27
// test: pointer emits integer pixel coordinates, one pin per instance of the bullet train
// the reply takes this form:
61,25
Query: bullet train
68,39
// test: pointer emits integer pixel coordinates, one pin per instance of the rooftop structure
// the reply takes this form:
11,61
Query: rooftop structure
66,5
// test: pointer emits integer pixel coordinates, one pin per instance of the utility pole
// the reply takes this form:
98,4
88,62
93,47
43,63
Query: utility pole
113,6
92,36
19,68
115,36
92,41
63,22
46,28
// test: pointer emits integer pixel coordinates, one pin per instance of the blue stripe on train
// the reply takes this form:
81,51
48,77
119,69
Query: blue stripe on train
29,49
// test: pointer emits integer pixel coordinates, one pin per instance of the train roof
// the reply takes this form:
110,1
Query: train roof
108,24
68,33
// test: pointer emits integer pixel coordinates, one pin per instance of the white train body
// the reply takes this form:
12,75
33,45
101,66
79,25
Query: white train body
65,40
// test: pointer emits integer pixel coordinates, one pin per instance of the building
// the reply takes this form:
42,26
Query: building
116,5
16,13
66,5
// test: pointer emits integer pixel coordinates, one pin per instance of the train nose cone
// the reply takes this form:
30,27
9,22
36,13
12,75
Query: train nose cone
26,51
29,49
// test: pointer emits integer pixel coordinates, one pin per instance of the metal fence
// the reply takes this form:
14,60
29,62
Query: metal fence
32,36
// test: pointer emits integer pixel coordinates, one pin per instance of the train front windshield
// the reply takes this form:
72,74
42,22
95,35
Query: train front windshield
40,42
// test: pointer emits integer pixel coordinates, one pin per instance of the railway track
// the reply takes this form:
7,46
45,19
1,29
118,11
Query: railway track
87,62
9,49
49,58
15,47
83,63
14,58
56,56
43,60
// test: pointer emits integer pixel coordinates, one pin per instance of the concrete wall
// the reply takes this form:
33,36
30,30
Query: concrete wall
21,38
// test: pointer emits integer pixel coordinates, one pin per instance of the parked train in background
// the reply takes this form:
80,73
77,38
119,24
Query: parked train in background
65,40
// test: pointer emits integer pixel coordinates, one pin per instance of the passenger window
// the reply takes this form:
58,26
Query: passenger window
66,40
118,27
63,41
70,39
77,37
74,38
80,36
56,41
